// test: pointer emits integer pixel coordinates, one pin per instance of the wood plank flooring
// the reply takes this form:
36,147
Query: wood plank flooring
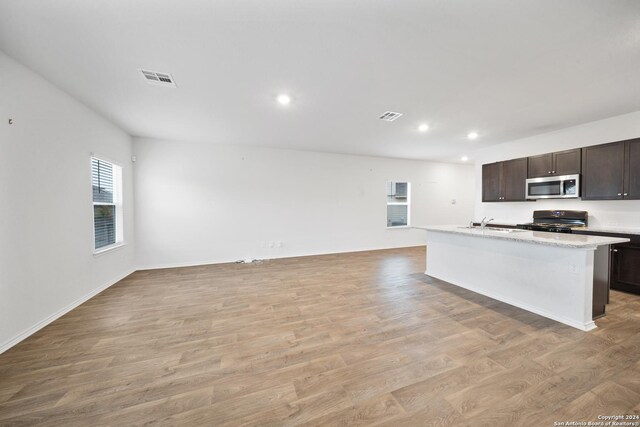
348,339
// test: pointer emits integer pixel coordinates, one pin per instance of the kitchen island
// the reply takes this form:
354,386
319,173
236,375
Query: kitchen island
563,277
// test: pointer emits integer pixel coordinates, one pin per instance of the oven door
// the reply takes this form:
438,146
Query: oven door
553,187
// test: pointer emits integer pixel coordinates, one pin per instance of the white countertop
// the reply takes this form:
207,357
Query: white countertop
615,229
578,241
611,229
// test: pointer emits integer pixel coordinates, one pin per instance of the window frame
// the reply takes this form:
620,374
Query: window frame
406,203
118,202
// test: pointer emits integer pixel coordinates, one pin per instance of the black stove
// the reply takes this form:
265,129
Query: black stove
556,221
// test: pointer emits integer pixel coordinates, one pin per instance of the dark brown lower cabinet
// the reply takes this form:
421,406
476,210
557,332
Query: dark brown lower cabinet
625,267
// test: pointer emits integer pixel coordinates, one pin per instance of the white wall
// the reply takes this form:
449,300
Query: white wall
46,246
601,213
204,203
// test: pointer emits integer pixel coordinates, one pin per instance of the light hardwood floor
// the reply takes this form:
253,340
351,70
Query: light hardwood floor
350,339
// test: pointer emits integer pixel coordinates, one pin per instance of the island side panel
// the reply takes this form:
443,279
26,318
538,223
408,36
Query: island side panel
602,266
552,281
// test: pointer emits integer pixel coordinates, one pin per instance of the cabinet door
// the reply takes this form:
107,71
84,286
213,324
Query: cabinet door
603,171
632,170
492,182
514,176
567,162
541,165
625,268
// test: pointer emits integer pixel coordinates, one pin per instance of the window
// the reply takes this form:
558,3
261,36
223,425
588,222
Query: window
398,200
107,203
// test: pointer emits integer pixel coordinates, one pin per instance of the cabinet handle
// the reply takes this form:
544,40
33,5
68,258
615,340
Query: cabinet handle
619,194
553,171
626,194
615,250
549,172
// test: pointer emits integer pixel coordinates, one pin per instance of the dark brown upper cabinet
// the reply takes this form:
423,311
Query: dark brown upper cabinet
603,172
514,173
492,182
611,171
541,165
504,181
568,162
554,164
632,170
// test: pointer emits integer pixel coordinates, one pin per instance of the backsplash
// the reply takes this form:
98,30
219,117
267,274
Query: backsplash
622,213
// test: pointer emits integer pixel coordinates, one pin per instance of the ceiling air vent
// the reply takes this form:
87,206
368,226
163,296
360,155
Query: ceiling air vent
157,78
389,116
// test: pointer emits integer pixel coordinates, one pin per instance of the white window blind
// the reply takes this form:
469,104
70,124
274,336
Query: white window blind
398,201
107,216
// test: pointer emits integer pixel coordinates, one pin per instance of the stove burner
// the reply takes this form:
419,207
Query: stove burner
556,221
554,228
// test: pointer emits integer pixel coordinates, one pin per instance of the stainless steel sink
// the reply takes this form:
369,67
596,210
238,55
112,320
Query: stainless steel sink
498,229
505,230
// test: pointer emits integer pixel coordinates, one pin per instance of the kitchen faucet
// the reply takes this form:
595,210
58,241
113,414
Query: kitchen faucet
484,222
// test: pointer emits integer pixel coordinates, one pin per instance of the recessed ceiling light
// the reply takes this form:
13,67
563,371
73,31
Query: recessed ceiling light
464,158
472,135
284,99
423,127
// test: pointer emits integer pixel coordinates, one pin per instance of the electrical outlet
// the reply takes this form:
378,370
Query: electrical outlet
271,244
279,244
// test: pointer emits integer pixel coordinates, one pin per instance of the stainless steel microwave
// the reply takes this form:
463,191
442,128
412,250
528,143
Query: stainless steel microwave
554,187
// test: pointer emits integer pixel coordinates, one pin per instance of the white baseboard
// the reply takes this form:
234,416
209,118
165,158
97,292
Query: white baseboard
35,328
303,254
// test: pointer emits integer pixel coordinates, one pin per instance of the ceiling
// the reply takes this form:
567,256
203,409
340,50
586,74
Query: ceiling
507,69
